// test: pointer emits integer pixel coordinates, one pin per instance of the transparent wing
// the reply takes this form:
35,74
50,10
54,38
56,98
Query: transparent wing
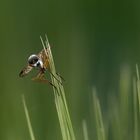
43,56
25,71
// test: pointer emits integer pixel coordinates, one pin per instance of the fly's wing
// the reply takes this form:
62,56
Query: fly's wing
25,71
44,57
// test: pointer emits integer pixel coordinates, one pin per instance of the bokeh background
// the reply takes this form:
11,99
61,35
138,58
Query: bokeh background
92,41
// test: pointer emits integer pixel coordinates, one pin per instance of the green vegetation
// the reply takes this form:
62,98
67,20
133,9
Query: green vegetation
123,117
91,42
121,120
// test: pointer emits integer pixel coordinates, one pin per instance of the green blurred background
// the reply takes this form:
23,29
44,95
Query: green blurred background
91,41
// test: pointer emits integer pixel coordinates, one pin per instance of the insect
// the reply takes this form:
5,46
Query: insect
41,62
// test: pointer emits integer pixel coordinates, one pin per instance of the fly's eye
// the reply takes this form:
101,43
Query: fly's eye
33,59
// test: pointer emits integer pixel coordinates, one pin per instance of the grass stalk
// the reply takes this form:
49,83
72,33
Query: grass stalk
60,99
138,85
85,130
135,108
98,118
28,118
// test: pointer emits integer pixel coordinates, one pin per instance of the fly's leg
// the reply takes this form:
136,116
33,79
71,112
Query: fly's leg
41,78
54,76
60,76
44,81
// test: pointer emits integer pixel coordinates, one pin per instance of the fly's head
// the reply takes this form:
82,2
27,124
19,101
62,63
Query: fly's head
35,61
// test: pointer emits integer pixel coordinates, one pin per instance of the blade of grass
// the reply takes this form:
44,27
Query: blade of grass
138,85
98,118
135,101
85,130
125,101
28,118
60,99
